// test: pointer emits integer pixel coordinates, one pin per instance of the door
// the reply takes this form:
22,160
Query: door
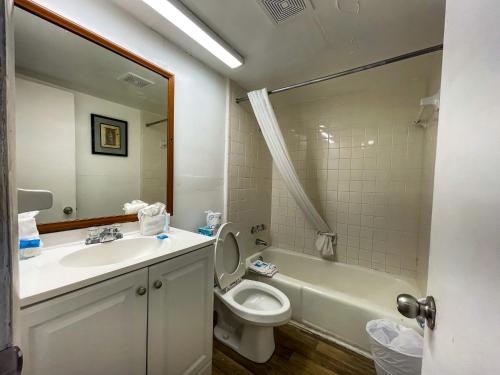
180,314
10,356
464,264
45,131
96,330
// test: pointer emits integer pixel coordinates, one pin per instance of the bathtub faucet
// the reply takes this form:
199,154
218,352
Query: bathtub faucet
258,241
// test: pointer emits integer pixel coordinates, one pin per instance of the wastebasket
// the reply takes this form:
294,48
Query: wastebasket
397,350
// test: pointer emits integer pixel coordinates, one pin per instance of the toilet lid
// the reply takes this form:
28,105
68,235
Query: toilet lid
229,257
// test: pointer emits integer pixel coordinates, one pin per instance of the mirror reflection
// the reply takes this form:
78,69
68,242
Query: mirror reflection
91,125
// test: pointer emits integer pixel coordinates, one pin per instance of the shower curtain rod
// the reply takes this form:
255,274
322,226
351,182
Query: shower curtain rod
377,64
155,122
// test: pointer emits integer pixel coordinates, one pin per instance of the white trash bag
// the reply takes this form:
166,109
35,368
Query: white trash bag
397,350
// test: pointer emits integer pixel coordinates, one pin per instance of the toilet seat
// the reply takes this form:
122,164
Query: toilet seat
257,303
229,260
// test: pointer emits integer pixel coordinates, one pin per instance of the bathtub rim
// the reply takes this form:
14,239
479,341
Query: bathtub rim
410,280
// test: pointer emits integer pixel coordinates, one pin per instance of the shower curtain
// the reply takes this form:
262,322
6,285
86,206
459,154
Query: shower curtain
275,142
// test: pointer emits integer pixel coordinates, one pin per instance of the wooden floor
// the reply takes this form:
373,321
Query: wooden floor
297,352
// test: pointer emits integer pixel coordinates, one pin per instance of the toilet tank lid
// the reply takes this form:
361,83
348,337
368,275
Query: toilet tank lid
229,257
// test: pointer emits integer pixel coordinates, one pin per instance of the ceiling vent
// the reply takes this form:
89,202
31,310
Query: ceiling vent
135,80
282,10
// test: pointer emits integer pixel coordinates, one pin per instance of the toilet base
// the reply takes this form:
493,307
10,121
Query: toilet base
251,341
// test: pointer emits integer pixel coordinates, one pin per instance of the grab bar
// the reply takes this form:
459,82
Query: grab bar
327,234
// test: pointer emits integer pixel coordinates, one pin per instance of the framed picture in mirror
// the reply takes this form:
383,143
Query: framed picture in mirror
109,136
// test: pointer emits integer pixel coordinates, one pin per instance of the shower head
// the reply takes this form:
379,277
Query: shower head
431,100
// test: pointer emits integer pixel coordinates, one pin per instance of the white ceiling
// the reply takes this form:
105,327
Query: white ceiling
49,53
328,37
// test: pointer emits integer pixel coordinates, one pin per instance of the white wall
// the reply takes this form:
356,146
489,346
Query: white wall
45,140
153,158
54,138
200,100
464,266
104,183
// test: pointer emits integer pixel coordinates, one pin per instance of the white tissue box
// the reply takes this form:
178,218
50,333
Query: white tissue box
151,225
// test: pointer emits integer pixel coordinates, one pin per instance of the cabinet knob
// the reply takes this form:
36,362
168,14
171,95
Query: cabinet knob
157,284
141,291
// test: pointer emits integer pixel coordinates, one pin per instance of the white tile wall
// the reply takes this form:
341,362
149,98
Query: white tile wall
363,163
360,160
250,167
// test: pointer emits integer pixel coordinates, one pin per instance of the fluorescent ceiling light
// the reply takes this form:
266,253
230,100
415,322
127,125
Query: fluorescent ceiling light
195,29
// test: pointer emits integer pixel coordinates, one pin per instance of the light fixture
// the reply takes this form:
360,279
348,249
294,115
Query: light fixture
180,16
324,134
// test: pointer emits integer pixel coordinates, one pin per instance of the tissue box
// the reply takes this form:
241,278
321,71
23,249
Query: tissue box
207,231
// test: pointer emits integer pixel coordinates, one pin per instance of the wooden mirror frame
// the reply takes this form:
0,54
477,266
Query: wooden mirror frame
73,27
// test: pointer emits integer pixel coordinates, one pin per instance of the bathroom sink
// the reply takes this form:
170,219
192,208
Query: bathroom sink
111,252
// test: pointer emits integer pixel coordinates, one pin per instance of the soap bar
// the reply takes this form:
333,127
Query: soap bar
161,236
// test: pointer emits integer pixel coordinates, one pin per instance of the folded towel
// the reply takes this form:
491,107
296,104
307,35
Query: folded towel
27,226
324,244
152,219
263,268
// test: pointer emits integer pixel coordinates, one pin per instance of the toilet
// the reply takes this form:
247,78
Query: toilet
246,310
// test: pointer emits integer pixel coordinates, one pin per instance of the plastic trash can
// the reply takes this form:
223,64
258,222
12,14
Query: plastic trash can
397,350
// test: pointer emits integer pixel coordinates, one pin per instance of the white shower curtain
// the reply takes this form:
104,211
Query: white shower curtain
272,134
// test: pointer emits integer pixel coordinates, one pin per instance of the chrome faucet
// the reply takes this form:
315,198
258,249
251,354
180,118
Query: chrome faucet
104,234
258,241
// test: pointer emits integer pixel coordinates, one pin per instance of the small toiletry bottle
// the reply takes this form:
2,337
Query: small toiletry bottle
167,223
214,219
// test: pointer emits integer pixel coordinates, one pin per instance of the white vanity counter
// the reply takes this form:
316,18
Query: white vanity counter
53,273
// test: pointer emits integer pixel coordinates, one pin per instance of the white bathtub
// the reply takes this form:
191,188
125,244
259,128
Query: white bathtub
336,299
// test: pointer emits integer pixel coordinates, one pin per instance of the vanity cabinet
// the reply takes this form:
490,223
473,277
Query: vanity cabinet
156,320
100,329
180,315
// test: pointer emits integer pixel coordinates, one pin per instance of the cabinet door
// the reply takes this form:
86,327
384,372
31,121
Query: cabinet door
180,314
100,329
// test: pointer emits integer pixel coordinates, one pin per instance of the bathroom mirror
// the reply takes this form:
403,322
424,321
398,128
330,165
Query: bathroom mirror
93,122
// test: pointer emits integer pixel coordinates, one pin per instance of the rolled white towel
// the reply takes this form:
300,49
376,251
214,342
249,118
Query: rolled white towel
134,206
155,209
